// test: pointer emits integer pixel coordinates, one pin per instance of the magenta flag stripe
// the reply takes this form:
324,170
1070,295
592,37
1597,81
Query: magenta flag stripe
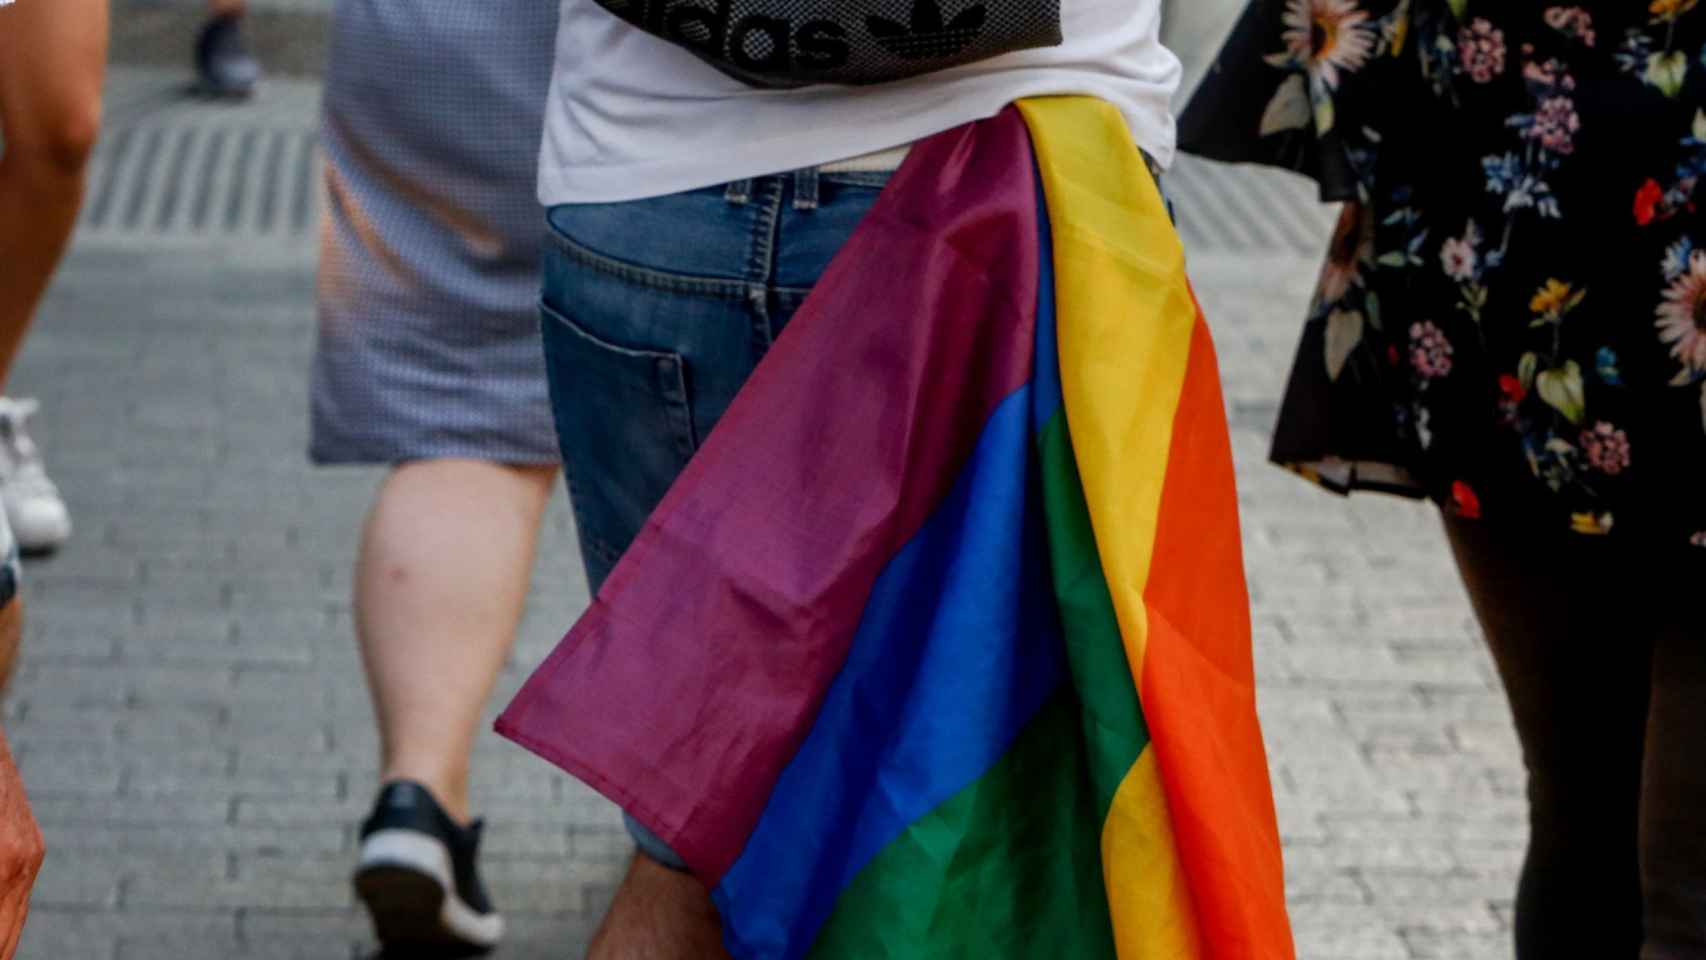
845,440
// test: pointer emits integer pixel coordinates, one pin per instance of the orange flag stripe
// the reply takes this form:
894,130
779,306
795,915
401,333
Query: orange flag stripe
1191,847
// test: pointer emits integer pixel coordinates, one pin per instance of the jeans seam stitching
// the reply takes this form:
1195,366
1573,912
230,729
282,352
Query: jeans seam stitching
647,276
574,329
761,253
872,179
680,404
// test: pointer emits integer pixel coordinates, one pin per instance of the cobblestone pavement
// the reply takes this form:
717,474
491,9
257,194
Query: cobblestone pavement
192,720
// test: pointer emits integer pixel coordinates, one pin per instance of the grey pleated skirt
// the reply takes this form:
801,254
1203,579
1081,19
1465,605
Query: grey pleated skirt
428,341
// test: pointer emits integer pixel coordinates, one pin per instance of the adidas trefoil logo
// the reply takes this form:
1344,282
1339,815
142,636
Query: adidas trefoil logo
927,37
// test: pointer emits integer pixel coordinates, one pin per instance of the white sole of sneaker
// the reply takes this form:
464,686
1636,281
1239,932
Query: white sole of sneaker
37,535
405,879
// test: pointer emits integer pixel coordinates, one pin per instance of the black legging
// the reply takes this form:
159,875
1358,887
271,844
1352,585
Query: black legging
1602,647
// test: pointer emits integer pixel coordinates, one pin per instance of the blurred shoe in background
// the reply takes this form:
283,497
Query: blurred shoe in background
34,508
222,59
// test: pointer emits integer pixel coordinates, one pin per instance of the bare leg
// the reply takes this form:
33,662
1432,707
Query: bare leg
21,852
1673,800
659,914
1537,594
439,586
11,635
52,64
21,849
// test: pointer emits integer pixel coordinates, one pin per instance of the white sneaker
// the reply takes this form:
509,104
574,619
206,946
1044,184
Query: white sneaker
37,513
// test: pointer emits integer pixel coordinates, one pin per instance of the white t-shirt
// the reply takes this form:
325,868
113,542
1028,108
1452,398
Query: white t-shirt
633,116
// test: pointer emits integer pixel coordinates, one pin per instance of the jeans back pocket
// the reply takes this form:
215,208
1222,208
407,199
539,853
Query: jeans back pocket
625,427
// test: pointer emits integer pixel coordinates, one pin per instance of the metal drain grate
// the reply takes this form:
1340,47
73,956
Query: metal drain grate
172,167
180,180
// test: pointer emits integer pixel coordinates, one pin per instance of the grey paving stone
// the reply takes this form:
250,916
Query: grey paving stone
289,811
217,773
81,884
70,767
314,948
1332,931
73,810
60,932
144,839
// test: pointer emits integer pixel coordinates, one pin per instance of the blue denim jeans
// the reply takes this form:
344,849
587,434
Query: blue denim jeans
654,314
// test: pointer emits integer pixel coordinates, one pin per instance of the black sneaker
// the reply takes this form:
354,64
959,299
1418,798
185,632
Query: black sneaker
223,61
418,879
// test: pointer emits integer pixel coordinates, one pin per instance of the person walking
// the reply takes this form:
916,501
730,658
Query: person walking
692,207
1512,322
52,65
428,361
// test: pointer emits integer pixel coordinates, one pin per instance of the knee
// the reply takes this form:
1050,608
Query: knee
58,147
1586,812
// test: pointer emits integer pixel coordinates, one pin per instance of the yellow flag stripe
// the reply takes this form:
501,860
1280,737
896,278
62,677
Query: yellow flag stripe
1126,318
1140,864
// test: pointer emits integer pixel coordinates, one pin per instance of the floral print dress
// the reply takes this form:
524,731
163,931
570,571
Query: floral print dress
1512,316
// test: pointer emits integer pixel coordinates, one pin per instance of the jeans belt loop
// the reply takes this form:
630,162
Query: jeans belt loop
806,188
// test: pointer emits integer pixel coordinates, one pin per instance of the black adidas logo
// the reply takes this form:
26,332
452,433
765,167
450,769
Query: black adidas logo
776,46
927,37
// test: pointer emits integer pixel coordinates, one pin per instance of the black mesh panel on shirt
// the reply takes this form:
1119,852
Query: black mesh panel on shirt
791,43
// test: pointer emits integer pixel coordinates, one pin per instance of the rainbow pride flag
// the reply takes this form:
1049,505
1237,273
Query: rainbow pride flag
940,647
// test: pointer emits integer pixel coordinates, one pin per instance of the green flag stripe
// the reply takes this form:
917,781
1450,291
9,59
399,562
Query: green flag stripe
1113,724
1009,868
